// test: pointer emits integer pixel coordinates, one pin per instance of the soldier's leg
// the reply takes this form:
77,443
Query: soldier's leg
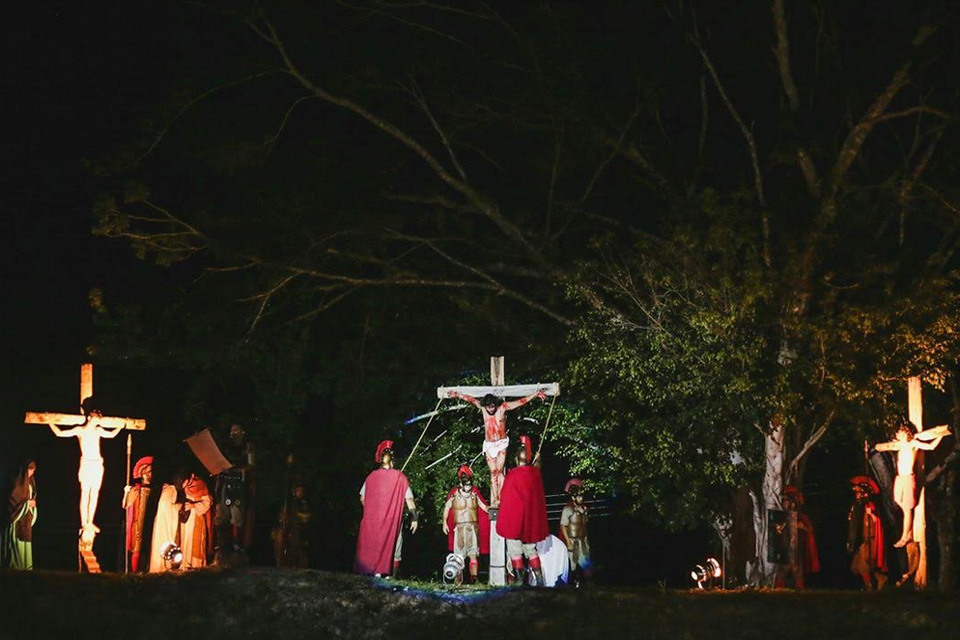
397,555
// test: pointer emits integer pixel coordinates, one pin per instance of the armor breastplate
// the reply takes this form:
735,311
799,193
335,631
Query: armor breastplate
464,508
578,523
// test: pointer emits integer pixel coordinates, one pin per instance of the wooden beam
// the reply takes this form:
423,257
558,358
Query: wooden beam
504,391
86,382
71,420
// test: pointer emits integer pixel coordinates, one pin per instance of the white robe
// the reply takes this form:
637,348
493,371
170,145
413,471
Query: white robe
554,561
195,548
164,527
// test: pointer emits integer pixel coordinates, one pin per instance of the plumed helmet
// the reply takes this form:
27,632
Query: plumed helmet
383,446
465,470
573,482
526,447
142,463
867,483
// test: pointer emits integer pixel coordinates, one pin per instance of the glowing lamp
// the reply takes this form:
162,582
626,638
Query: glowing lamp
705,574
172,556
453,569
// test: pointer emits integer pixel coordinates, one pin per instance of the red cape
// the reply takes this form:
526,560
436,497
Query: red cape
878,549
132,514
523,507
382,516
811,561
484,523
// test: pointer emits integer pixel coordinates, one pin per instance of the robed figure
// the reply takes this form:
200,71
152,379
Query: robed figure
383,495
22,515
196,523
166,528
523,513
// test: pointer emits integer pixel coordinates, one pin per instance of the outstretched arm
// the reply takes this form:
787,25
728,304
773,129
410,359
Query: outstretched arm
888,446
61,433
106,433
464,397
927,446
513,404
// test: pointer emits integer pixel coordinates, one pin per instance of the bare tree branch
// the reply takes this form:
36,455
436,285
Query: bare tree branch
782,53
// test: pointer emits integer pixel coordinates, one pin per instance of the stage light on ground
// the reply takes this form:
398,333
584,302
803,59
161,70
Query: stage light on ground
172,556
453,569
705,574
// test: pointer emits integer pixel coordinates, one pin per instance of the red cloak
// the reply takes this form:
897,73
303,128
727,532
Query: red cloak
383,500
811,561
483,523
877,552
523,506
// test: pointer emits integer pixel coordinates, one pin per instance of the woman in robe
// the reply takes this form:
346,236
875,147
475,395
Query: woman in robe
18,534
165,528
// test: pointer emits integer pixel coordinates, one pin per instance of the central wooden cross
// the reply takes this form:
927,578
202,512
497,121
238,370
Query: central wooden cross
498,555
88,427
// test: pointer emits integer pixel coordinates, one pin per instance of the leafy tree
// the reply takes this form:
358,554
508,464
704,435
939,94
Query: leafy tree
742,248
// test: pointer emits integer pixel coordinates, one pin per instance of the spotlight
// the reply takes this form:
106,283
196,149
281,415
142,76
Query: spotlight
705,574
453,569
172,556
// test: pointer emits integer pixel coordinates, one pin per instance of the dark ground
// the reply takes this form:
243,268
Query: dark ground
269,603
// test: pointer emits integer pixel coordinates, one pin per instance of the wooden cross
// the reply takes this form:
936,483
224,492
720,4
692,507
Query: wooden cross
917,550
70,420
498,546
88,429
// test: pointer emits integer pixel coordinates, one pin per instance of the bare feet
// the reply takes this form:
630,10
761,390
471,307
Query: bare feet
902,542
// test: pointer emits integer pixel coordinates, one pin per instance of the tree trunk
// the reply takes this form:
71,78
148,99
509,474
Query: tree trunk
763,573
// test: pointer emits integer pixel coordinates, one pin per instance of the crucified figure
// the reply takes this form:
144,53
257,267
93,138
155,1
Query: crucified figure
906,444
495,440
91,463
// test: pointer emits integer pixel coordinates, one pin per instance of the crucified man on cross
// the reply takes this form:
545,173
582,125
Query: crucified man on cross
90,475
495,440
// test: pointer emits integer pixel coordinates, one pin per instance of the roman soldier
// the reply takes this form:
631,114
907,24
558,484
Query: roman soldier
291,536
865,534
383,495
135,498
573,530
807,560
465,521
523,514
235,493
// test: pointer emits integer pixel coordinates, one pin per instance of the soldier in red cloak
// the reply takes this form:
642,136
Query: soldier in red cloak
465,521
865,535
383,495
135,499
807,560
522,518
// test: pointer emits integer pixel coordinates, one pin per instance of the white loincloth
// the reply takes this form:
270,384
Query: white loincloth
492,449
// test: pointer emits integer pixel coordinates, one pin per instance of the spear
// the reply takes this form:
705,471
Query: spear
126,557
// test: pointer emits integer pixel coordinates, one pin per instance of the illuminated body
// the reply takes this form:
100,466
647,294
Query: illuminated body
495,441
90,474
906,444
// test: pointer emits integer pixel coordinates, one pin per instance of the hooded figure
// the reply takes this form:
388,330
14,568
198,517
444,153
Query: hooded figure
383,495
17,548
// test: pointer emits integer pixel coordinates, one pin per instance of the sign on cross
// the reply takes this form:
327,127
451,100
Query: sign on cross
88,428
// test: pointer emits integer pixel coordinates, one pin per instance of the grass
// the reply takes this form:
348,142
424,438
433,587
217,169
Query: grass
269,603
